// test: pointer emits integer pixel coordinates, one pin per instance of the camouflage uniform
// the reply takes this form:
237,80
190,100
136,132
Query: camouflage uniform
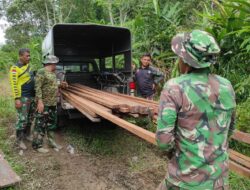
22,84
46,90
25,116
196,118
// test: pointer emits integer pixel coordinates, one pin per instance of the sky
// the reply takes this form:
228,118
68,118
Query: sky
3,25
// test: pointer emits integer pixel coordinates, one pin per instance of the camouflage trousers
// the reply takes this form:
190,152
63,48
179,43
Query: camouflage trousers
25,116
165,185
44,123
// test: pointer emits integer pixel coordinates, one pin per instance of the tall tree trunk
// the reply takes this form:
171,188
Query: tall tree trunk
54,11
111,18
47,14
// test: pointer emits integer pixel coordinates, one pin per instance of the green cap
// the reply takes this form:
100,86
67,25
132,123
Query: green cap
197,48
50,59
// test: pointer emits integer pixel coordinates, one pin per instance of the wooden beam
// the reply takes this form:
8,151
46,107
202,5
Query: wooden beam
134,106
7,176
95,98
241,136
88,113
144,134
140,132
239,158
239,169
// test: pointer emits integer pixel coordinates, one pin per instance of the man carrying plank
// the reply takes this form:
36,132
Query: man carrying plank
196,117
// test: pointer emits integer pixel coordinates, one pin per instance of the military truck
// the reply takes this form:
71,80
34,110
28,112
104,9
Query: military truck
98,56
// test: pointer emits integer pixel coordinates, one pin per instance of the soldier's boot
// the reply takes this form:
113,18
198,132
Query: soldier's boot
29,138
22,145
20,138
51,141
42,150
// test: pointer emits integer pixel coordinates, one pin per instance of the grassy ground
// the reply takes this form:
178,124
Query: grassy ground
7,119
107,140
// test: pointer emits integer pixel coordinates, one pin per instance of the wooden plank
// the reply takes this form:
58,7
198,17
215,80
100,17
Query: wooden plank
72,101
87,104
146,111
239,158
84,112
241,136
239,169
108,101
134,107
134,115
94,98
124,109
7,176
144,134
89,114
141,100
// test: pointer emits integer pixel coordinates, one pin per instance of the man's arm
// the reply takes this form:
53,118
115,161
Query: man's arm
13,81
169,106
39,94
158,75
16,90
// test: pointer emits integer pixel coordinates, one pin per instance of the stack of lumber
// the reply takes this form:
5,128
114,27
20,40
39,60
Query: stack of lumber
239,162
114,101
95,104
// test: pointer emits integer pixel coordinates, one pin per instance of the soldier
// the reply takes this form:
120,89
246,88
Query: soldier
46,94
147,77
196,117
22,84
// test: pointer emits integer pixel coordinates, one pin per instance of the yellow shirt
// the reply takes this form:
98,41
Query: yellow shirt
22,81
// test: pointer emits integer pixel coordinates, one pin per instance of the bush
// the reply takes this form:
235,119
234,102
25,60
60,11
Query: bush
243,116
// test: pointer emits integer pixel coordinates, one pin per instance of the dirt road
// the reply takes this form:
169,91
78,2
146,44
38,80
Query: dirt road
140,169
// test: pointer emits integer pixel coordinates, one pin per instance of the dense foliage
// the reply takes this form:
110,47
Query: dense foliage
152,23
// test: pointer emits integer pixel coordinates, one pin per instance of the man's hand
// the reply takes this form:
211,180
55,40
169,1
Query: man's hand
40,106
64,84
18,103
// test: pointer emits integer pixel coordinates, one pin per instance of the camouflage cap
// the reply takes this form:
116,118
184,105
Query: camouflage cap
197,48
50,59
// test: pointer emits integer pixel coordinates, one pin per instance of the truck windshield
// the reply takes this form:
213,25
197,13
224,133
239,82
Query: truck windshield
79,67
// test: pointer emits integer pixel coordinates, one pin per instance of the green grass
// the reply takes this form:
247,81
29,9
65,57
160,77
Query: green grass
103,139
7,110
7,118
238,183
240,147
108,141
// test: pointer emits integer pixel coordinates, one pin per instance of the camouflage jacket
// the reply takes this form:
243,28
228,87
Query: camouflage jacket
46,87
196,117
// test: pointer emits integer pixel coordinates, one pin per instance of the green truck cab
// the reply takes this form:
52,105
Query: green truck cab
97,56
